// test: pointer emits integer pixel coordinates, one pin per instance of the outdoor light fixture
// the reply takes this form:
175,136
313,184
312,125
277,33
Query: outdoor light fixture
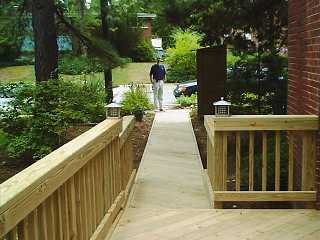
222,108
113,110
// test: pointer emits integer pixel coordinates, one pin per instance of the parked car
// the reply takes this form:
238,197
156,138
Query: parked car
186,89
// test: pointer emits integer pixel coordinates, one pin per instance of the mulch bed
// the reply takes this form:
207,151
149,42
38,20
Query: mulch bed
139,138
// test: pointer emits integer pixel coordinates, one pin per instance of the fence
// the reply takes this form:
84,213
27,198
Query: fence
76,192
256,158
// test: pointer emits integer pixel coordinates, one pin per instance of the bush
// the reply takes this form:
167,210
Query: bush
38,118
76,65
182,57
247,92
136,101
185,101
143,52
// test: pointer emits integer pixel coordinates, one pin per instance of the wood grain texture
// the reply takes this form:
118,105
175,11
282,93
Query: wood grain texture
261,122
263,196
308,161
206,224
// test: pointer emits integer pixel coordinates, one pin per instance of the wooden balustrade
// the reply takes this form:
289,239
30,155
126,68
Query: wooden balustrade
244,150
76,192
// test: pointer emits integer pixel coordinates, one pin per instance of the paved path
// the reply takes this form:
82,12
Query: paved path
170,172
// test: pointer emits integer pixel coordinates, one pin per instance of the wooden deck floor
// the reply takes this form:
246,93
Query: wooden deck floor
169,200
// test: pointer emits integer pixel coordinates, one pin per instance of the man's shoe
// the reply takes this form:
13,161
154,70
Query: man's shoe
161,109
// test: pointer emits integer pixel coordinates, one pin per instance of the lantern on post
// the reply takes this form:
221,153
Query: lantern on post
113,110
222,108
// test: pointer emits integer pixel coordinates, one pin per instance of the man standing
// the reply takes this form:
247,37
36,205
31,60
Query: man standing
157,78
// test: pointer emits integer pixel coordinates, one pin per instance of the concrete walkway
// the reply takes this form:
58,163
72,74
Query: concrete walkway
170,172
170,175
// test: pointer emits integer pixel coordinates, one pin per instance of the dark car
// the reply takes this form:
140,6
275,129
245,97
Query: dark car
186,89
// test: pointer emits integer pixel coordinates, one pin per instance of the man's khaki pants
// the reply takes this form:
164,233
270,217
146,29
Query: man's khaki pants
158,93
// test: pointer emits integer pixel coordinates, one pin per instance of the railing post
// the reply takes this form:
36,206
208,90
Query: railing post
218,165
308,161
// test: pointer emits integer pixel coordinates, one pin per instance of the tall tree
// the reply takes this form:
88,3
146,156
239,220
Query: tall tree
45,38
105,7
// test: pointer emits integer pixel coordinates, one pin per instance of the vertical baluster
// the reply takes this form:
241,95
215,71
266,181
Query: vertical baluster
73,210
123,165
225,161
100,187
84,205
218,165
43,226
88,198
60,212
308,161
210,160
32,219
277,162
80,217
25,229
112,172
251,161
264,161
107,178
94,189
52,218
118,166
218,162
291,162
238,161
65,211
13,235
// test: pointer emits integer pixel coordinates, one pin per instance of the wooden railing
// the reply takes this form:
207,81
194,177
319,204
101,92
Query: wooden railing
76,192
258,158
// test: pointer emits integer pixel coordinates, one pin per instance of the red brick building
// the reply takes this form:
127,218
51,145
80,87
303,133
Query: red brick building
146,20
304,63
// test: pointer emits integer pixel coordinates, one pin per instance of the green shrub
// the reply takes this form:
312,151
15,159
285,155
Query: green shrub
135,101
185,101
39,116
143,52
76,65
182,57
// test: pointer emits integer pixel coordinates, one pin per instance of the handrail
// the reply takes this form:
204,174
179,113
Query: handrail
85,173
255,133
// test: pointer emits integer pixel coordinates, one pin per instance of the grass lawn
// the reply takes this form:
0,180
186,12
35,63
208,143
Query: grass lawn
132,72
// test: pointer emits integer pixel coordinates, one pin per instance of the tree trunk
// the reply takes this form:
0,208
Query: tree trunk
104,8
45,39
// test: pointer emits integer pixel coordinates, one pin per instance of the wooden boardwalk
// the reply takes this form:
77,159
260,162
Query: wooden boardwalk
169,200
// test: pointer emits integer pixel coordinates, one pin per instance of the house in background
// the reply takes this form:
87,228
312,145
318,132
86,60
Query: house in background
145,21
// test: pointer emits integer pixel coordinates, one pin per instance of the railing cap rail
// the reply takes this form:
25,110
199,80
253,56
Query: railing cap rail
261,122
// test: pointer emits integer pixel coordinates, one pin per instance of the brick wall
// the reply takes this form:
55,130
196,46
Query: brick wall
304,63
